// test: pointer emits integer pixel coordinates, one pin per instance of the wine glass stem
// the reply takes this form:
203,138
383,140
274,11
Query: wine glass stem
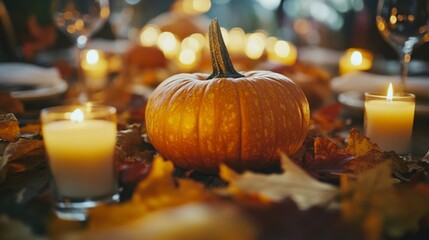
83,96
405,60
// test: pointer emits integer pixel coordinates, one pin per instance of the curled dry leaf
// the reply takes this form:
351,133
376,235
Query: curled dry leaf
293,183
17,150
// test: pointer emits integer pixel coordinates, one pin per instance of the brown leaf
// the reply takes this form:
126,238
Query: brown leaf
294,183
359,145
130,146
9,127
372,201
359,155
159,190
16,150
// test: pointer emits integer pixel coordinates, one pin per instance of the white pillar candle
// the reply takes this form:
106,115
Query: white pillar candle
389,120
81,153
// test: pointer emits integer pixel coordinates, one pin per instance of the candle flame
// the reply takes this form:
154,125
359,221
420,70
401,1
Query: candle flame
390,93
356,58
77,116
92,57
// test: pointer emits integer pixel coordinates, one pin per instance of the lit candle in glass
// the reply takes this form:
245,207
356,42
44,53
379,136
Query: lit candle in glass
389,120
80,144
95,69
355,60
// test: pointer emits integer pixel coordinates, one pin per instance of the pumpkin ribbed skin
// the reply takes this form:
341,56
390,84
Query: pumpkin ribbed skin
243,122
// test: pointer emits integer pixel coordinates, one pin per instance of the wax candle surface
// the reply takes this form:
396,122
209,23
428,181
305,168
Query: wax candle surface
390,124
81,156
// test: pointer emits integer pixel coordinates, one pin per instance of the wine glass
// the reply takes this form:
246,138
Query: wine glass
403,24
80,19
122,13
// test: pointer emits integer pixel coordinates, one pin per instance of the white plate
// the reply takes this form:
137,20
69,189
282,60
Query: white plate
41,92
370,82
29,82
355,101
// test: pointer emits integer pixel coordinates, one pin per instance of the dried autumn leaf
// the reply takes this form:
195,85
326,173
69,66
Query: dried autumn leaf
33,128
372,200
129,145
159,190
359,155
9,127
293,183
358,144
16,150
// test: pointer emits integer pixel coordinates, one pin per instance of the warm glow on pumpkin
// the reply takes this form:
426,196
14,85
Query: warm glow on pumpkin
199,120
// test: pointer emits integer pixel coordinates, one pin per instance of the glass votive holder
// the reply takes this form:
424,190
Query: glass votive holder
388,121
80,143
95,71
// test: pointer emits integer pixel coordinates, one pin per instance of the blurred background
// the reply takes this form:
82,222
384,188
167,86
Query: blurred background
331,24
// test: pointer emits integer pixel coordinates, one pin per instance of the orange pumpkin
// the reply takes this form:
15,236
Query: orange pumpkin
240,119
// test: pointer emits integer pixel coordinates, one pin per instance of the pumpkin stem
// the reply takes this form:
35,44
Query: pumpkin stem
222,65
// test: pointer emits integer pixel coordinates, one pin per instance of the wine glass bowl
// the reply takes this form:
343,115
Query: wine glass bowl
403,24
121,16
80,18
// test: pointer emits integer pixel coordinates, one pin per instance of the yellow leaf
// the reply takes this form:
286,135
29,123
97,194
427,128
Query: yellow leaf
158,191
359,145
373,200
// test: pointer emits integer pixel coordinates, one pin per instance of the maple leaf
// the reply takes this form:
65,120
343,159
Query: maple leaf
359,155
372,200
293,183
